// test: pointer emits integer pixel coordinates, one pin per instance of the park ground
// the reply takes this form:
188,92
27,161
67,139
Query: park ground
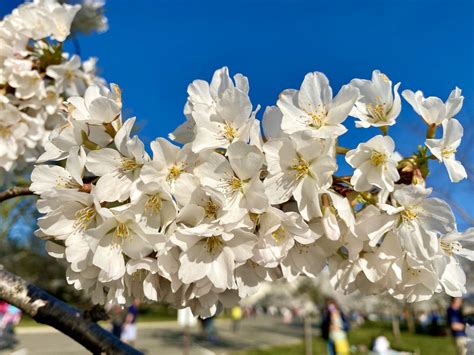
257,336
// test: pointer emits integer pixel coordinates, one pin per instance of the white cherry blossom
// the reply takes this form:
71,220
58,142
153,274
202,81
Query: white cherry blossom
212,253
237,178
277,234
377,105
454,244
432,109
231,122
299,167
204,97
444,149
98,105
312,108
68,76
420,219
119,236
119,169
375,164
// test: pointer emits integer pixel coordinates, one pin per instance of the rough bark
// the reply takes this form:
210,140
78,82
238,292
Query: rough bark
47,309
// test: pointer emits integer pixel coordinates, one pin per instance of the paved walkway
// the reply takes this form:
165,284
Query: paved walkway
166,338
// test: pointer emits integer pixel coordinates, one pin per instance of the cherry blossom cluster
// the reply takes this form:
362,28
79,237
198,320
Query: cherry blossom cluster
36,77
203,222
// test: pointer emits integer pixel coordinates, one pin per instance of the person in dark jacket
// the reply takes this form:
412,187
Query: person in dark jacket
457,325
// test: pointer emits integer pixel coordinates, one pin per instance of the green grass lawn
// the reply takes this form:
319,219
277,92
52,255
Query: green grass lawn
362,337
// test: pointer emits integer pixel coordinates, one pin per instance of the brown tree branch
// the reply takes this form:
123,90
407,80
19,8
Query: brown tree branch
15,192
47,309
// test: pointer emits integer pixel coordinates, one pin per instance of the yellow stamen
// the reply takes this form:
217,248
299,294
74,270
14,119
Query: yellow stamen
51,95
235,184
409,214
70,75
211,209
279,234
5,131
229,132
129,165
254,217
153,203
67,183
450,248
317,116
213,244
377,110
174,172
301,168
84,217
121,233
448,152
378,158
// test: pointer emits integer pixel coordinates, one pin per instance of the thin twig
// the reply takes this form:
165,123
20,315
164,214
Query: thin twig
15,192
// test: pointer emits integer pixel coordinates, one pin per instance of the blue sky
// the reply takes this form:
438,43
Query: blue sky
154,49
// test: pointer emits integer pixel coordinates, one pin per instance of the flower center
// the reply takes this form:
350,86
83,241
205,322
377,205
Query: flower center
70,75
450,248
414,272
84,217
213,244
211,209
35,79
174,172
153,203
232,186
409,214
302,248
121,233
66,183
377,110
279,234
317,119
51,95
129,165
254,217
229,132
378,158
448,152
5,131
301,168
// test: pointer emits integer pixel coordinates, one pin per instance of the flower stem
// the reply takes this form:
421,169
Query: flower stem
384,130
341,150
431,131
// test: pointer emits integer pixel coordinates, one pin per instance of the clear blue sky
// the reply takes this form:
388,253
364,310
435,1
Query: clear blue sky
154,49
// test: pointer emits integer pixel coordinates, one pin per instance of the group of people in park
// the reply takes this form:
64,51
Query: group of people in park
335,326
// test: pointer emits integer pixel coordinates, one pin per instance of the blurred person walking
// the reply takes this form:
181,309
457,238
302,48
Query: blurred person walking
457,325
10,317
334,329
116,320
129,329
209,330
236,315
